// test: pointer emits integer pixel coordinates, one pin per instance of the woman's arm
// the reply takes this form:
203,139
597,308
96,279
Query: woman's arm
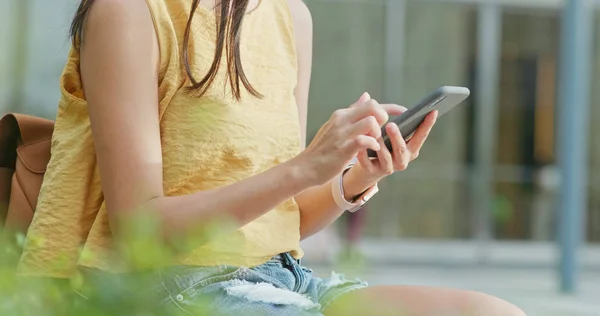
317,207
119,65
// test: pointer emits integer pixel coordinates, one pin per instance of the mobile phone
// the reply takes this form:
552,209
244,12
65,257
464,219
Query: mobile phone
442,100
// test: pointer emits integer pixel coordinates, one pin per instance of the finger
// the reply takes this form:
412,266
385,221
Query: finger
364,142
400,152
421,134
370,108
361,100
365,160
366,126
393,109
386,162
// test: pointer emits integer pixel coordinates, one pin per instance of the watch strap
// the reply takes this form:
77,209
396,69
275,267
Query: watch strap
337,191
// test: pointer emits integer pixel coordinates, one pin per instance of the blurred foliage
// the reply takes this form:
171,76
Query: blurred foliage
93,292
88,293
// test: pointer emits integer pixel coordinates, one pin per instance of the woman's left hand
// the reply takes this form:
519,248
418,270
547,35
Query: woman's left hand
368,171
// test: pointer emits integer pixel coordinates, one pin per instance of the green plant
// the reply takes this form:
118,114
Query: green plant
88,293
100,293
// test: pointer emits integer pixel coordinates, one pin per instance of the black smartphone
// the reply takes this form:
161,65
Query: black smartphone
442,100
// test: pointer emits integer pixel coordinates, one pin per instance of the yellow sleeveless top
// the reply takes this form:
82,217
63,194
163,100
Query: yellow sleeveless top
207,142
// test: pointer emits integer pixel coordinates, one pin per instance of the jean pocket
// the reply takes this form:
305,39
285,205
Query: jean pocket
187,284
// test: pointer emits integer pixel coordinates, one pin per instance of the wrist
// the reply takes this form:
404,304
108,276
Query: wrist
299,171
355,184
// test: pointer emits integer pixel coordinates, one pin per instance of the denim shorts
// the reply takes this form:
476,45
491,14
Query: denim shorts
280,287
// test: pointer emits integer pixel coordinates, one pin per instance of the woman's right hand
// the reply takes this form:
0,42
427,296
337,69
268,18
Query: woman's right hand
347,132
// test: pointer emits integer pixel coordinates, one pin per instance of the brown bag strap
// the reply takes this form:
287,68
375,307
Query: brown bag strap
32,129
6,175
19,129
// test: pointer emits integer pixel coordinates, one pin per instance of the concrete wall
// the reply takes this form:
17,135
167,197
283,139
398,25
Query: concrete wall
6,39
47,46
44,35
348,55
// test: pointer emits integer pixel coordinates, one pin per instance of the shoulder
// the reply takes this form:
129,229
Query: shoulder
301,15
302,19
124,23
118,8
124,15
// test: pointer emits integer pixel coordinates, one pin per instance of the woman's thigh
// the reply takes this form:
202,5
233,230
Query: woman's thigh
419,301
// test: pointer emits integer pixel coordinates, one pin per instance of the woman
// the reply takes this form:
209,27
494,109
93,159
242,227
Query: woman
195,115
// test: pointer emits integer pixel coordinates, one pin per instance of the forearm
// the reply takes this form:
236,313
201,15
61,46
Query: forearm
318,208
237,204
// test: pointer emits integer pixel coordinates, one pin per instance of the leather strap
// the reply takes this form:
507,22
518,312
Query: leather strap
19,129
6,175
24,153
32,129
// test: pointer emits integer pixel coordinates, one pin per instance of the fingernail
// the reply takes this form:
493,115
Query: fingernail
366,95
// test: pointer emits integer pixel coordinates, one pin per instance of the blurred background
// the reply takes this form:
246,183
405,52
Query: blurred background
481,208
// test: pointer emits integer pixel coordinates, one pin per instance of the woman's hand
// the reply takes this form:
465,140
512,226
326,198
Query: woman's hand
348,132
368,171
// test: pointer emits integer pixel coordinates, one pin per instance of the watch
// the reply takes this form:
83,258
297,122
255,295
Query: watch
337,191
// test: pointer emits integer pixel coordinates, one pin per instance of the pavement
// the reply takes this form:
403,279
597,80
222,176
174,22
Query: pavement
533,290
521,273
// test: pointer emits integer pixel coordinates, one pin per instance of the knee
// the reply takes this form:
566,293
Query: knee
484,304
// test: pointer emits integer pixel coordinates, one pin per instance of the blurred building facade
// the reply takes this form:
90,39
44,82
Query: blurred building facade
398,51
361,45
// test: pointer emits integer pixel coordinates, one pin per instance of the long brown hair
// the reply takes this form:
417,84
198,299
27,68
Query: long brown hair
229,25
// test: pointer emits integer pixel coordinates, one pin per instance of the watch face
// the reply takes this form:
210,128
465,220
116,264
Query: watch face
370,193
